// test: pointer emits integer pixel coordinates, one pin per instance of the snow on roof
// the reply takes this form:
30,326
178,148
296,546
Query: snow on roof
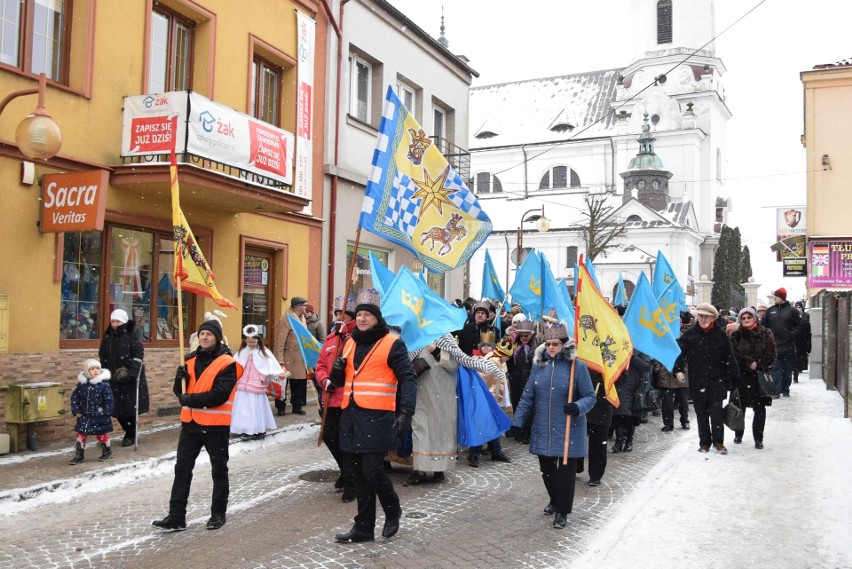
536,105
842,63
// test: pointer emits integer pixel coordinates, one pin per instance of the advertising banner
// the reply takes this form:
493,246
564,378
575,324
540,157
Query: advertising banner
830,263
790,222
210,130
304,110
75,201
795,266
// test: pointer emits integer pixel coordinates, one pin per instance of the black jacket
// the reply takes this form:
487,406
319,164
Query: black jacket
371,430
120,350
471,335
784,321
708,360
601,413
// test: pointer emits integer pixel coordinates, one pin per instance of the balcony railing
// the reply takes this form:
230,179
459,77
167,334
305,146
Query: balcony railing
459,158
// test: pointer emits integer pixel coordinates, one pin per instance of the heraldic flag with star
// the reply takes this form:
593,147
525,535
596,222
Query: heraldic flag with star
416,199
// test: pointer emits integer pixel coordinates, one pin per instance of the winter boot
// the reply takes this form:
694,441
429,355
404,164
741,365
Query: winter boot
106,453
628,441
620,439
78,454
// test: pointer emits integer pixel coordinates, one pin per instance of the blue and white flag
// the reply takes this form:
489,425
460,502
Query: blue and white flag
490,285
664,276
415,199
382,276
620,293
422,315
648,328
309,346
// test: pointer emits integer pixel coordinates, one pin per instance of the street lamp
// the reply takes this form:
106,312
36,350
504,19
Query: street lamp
542,224
37,136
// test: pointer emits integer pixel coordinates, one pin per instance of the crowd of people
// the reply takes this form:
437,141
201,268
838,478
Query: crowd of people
378,399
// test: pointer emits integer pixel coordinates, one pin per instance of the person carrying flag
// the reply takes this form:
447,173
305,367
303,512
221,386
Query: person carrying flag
288,353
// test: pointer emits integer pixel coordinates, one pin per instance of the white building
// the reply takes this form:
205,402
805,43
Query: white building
550,143
380,47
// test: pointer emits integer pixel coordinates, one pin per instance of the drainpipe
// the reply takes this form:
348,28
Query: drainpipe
612,151
332,232
526,189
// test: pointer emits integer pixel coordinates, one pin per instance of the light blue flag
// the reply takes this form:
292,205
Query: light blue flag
309,346
669,301
556,296
664,275
416,199
490,285
648,327
563,289
593,273
620,293
382,276
526,290
422,315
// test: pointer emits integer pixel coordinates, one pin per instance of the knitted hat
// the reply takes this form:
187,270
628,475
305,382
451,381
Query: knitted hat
368,299
92,363
212,326
558,331
781,293
707,309
120,315
297,300
309,308
504,348
747,310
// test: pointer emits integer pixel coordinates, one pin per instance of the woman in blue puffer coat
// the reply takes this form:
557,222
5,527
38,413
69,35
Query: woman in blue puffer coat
546,394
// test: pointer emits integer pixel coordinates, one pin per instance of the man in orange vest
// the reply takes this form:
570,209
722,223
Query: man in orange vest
379,394
211,375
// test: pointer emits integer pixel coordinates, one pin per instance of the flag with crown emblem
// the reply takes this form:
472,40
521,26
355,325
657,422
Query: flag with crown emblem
620,292
422,315
309,346
664,276
490,284
670,301
602,339
649,329
416,199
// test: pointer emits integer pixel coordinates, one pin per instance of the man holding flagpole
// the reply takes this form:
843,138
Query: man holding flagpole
288,353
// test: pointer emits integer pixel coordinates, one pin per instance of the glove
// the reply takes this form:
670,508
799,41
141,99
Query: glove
571,409
184,399
180,376
338,372
329,386
121,375
402,424
516,433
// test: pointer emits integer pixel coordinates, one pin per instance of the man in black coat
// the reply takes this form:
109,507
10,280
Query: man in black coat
479,330
784,321
709,360
379,396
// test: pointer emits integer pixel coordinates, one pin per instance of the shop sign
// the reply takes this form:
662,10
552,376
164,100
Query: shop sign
795,266
74,201
790,222
830,263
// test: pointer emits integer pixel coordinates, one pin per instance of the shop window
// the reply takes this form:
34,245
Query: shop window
363,278
266,91
170,52
35,36
80,288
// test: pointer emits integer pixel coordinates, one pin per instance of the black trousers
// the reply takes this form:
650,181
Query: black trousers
559,480
298,393
708,415
758,423
189,446
129,426
331,438
670,397
372,481
597,449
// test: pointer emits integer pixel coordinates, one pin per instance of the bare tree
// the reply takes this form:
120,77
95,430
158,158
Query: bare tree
601,231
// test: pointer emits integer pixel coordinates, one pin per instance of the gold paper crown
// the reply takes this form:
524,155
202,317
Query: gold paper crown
488,337
556,331
368,296
505,347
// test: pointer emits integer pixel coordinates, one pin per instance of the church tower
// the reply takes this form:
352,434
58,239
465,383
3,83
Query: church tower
645,178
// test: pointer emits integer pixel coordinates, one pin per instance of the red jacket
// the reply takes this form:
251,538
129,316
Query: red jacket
331,350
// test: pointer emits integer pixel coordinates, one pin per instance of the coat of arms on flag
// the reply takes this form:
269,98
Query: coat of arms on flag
416,199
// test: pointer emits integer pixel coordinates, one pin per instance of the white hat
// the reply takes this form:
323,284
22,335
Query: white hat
92,363
120,315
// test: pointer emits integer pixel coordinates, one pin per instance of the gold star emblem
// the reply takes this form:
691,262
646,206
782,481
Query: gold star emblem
432,192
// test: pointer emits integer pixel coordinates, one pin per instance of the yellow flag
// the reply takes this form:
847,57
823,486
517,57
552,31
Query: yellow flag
190,264
601,336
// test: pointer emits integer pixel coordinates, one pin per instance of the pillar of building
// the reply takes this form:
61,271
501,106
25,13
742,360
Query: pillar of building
751,292
703,290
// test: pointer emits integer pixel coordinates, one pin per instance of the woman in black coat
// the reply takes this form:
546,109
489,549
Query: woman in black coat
598,422
520,367
754,347
624,418
707,356
122,355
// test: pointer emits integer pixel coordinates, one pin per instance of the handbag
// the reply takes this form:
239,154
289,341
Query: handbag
734,414
765,385
420,366
645,401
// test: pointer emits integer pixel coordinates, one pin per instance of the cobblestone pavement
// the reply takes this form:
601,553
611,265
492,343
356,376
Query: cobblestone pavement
284,512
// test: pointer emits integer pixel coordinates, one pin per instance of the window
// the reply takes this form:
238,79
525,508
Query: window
35,36
656,184
170,52
664,21
266,91
570,257
558,178
487,184
633,218
119,267
640,185
359,88
407,96
439,124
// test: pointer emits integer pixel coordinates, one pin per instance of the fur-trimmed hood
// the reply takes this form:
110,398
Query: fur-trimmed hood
568,353
84,377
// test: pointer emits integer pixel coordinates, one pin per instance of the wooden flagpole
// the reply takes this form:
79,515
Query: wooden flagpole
180,330
574,361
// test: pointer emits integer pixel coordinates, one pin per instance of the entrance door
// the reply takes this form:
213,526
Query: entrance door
258,290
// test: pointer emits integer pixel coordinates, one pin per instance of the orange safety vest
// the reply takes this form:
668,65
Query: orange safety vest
219,416
376,383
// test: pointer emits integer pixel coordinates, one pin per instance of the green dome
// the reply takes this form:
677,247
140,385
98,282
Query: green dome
646,159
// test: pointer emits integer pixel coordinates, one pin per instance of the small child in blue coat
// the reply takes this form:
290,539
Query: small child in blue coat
92,403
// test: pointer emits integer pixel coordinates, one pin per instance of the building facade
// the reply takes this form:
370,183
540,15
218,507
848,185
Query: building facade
572,138
232,75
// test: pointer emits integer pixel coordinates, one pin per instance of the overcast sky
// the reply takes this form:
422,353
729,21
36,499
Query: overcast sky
764,54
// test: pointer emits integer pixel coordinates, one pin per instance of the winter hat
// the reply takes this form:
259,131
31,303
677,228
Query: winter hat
297,300
212,326
120,315
707,309
781,293
747,310
368,299
92,363
309,308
